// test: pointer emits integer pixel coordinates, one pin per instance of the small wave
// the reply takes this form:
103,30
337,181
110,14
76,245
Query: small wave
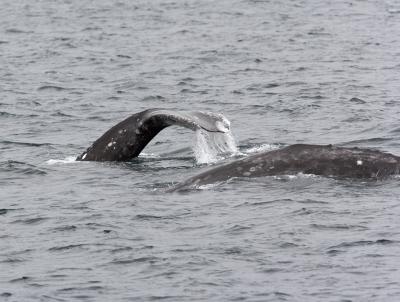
65,228
124,56
263,203
148,217
357,100
363,243
312,201
337,227
153,98
24,143
272,270
67,160
149,259
22,279
51,88
7,114
238,229
121,249
12,260
69,289
17,31
61,114
6,294
20,167
334,252
286,245
36,220
66,247
233,251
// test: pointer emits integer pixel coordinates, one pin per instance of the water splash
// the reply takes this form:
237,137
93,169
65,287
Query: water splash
211,147
262,148
67,160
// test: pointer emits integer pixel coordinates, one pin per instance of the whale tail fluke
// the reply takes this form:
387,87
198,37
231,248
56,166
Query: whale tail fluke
127,139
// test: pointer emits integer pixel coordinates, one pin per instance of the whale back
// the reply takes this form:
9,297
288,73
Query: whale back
128,138
323,160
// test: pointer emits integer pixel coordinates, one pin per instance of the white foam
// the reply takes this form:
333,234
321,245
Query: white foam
210,147
149,155
299,175
261,148
208,186
67,160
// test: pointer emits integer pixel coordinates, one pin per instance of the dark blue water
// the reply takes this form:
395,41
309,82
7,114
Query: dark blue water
282,71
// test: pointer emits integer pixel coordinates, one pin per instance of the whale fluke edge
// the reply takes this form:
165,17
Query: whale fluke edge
127,139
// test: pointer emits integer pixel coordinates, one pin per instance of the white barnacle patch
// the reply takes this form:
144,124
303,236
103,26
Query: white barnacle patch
359,162
252,169
110,144
246,174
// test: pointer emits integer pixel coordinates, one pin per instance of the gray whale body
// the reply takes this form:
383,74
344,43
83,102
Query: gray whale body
324,160
127,139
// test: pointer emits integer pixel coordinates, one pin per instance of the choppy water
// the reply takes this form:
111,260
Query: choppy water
281,71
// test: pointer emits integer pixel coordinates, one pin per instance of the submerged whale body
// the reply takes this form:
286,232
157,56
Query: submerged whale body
127,139
324,160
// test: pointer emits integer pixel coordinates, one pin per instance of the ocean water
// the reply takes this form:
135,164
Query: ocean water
282,72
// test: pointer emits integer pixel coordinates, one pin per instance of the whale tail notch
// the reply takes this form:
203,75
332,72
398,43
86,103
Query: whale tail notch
128,138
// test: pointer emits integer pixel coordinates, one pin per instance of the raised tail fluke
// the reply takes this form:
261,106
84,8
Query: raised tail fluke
127,139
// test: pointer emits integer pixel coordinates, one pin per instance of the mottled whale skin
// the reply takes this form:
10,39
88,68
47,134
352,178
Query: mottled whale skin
324,160
127,139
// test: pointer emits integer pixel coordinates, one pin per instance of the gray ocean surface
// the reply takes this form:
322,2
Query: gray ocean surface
283,72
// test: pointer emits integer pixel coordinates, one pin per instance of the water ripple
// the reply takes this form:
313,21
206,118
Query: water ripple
338,227
150,260
30,221
364,243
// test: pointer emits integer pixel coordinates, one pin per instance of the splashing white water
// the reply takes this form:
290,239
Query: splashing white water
210,147
67,160
262,148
